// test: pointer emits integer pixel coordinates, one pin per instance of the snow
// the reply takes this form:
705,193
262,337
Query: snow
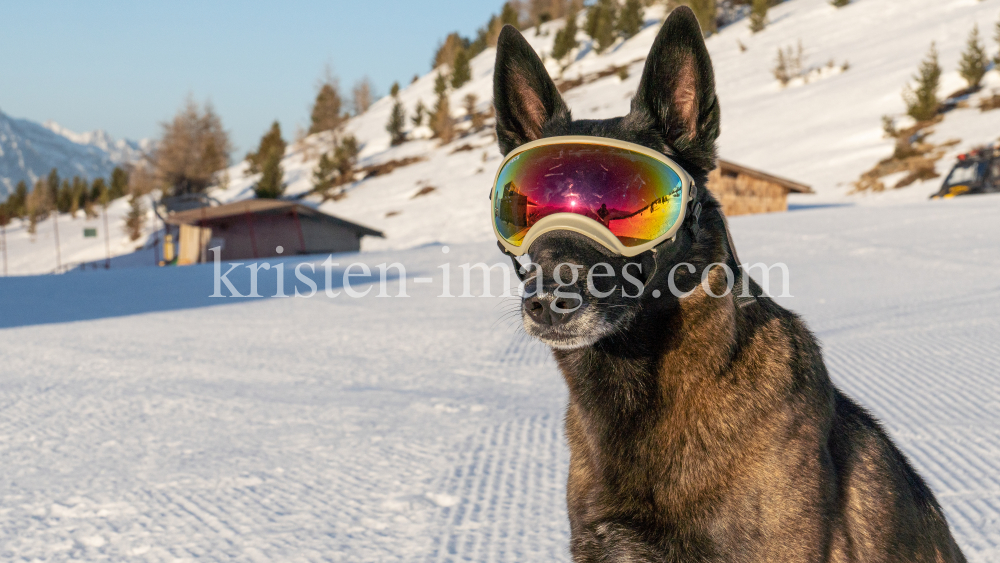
143,420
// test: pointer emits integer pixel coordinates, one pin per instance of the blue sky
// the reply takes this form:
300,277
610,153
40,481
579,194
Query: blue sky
125,67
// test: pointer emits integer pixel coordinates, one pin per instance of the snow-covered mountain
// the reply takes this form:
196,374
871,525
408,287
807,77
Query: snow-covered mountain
29,150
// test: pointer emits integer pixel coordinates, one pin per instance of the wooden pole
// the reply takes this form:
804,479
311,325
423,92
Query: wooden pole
55,225
107,240
3,246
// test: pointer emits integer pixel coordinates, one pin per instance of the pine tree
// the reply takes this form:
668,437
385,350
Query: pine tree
996,37
323,174
345,157
630,20
441,122
510,15
418,114
461,71
840,3
394,90
64,201
328,109
52,187
15,202
758,15
974,61
397,121
705,11
135,220
119,183
99,191
271,142
600,24
922,102
270,185
448,50
565,40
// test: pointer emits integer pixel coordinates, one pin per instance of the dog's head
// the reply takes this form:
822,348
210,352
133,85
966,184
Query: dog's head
575,302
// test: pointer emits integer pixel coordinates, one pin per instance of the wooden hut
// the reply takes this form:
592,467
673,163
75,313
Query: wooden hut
742,190
256,228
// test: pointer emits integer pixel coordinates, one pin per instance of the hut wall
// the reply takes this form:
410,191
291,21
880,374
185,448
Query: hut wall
743,195
323,237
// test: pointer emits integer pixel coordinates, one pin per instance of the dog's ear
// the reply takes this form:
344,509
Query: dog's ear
677,89
524,96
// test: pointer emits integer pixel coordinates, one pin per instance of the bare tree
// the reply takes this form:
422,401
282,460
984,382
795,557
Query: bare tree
193,148
361,95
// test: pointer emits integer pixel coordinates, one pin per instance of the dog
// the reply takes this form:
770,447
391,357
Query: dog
700,429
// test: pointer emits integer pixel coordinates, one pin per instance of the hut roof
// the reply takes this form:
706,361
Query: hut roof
255,206
731,168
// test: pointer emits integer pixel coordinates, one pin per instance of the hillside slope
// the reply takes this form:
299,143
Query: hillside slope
824,133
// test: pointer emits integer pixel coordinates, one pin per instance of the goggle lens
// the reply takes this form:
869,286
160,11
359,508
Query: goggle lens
637,197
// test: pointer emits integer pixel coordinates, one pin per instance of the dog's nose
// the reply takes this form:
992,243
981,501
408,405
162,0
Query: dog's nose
548,310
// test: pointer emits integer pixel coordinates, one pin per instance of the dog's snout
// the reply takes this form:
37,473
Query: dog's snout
548,310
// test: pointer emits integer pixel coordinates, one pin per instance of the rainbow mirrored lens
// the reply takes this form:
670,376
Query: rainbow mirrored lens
637,197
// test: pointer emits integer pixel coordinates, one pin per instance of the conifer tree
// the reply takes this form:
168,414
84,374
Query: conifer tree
328,109
996,37
705,11
972,66
630,20
840,3
271,142
758,15
267,161
565,40
135,220
397,119
99,191
119,184
52,187
345,157
418,114
461,71
600,24
922,101
323,174
270,185
510,15
441,122
64,201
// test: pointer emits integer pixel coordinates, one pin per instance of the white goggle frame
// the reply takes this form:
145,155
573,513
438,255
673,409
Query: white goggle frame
585,225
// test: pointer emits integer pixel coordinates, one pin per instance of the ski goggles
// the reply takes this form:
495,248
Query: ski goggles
622,195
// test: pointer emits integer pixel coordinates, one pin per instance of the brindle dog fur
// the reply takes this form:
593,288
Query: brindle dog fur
700,430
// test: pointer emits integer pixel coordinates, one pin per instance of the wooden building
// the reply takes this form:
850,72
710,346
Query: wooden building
255,228
742,190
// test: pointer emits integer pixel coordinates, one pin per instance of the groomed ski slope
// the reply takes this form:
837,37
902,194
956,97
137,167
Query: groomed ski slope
163,425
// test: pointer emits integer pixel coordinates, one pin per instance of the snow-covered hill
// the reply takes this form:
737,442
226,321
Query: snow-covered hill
825,132
29,151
